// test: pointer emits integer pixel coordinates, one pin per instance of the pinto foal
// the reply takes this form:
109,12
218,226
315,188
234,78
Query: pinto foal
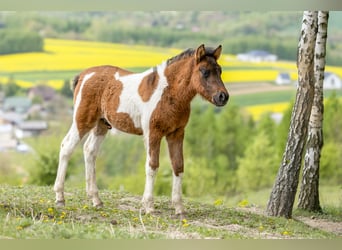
154,103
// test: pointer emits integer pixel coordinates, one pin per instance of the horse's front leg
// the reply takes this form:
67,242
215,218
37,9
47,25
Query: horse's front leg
152,145
175,144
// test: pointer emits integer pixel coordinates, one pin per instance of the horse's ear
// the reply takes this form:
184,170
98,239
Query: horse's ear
200,53
217,52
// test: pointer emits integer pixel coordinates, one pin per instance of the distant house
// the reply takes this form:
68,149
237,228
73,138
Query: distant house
2,98
30,128
257,56
332,81
17,104
11,117
283,78
7,140
43,92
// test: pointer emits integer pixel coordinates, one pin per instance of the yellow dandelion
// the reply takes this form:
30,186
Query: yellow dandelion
19,228
50,210
286,233
103,214
218,202
85,207
185,223
62,216
243,203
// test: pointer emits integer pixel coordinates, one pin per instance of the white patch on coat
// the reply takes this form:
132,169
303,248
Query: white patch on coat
150,175
79,94
177,193
131,102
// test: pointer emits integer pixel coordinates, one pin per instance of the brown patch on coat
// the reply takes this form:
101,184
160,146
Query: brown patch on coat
147,86
100,96
172,114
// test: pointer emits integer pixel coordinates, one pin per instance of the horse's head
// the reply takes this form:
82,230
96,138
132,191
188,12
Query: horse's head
206,77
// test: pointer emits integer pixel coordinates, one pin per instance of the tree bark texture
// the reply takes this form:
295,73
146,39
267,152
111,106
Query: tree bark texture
285,187
309,191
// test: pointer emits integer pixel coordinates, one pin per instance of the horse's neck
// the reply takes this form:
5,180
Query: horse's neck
178,76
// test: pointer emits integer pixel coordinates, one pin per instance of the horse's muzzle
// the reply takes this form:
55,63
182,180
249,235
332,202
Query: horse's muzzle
221,98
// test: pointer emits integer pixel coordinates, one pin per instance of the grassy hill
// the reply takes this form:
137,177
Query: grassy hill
29,212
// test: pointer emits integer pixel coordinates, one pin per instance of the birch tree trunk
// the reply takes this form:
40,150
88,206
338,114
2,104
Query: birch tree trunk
285,187
309,195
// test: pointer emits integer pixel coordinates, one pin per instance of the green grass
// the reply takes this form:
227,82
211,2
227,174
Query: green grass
41,76
35,76
263,98
29,212
272,97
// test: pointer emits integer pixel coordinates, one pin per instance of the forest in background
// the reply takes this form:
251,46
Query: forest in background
276,32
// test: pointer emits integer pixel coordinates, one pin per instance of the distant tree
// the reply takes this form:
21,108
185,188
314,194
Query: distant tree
66,89
331,159
257,168
309,195
284,190
17,41
11,88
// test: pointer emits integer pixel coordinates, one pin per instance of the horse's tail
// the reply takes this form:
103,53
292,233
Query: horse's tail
74,82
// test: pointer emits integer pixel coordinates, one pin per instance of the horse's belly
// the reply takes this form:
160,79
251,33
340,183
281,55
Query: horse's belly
124,122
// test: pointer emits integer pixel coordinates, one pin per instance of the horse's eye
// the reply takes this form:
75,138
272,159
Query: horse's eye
205,72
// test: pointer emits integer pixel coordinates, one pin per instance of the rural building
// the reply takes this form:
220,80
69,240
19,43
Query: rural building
30,128
16,104
257,56
14,124
283,78
42,92
332,81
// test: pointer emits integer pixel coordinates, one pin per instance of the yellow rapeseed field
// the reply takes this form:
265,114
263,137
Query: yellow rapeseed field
69,55
64,55
258,110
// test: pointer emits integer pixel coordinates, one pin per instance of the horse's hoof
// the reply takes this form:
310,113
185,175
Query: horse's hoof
99,205
60,203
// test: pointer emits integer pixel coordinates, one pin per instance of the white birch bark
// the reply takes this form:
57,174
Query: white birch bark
285,187
309,192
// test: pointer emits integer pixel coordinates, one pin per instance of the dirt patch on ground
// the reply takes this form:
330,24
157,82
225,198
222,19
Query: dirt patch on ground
325,225
251,88
322,224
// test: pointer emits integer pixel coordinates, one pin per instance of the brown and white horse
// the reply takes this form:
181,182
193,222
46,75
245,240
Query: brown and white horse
154,103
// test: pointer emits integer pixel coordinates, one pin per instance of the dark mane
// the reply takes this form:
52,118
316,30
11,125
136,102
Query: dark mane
184,54
189,52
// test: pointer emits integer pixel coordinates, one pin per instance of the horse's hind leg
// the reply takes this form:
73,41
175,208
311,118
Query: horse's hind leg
90,149
68,145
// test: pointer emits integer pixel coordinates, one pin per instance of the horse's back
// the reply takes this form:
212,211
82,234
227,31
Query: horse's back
96,78
92,86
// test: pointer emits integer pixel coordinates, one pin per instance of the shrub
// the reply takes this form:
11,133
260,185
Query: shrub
16,41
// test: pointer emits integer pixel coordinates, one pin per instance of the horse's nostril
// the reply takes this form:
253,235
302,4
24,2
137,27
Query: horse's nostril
223,97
